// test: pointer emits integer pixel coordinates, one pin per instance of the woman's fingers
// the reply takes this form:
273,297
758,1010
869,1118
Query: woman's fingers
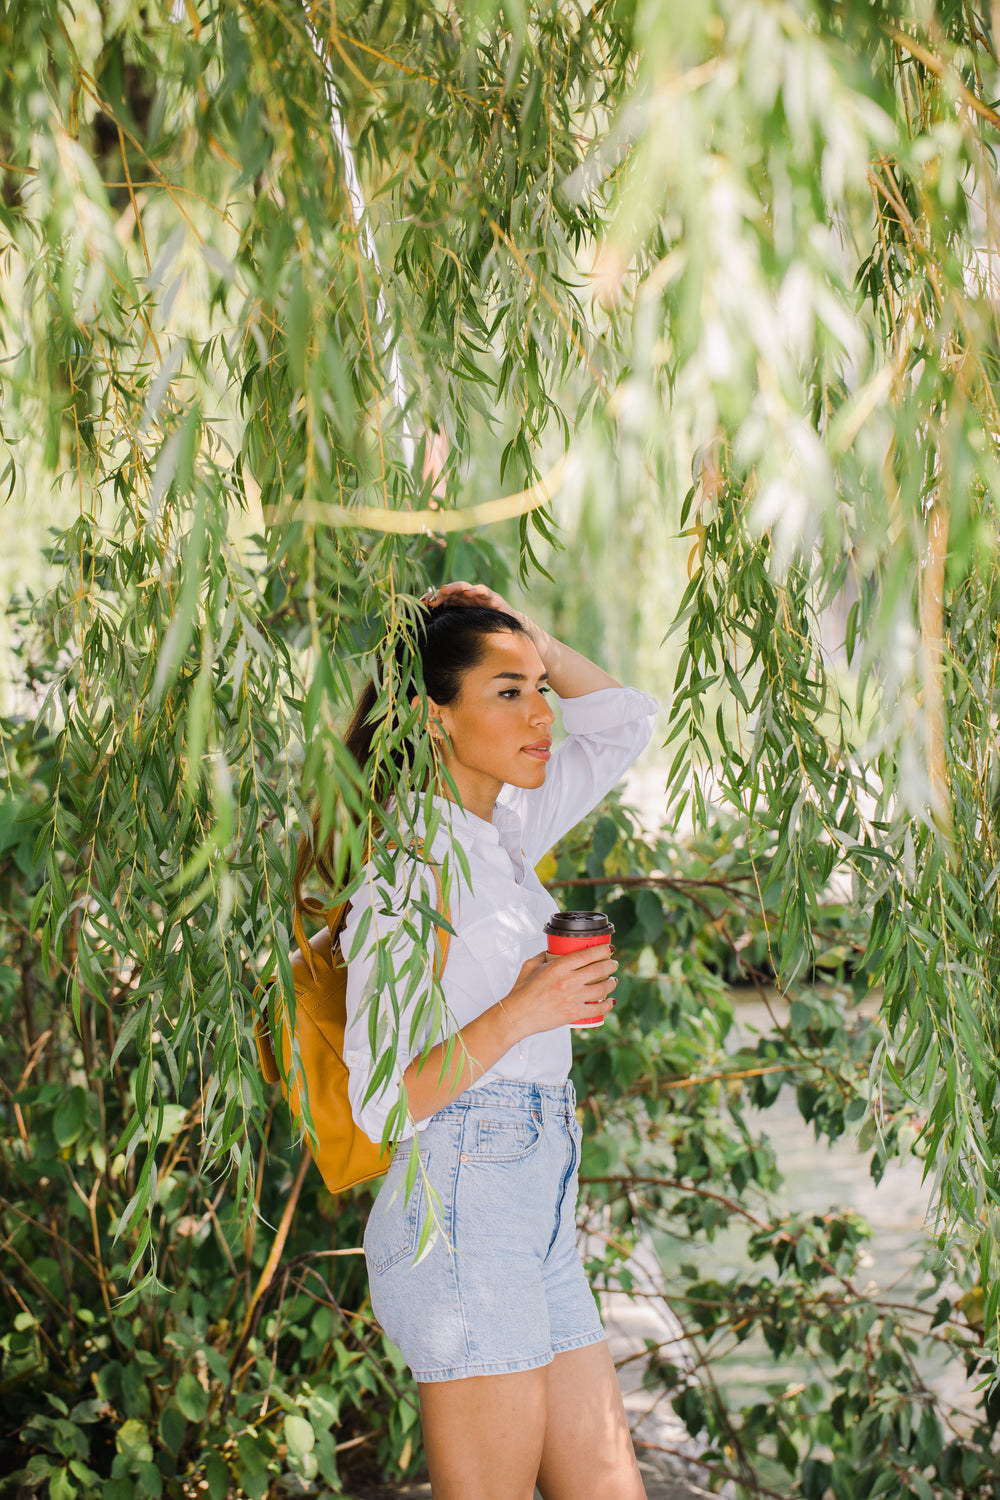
459,591
585,959
551,989
451,591
587,975
530,965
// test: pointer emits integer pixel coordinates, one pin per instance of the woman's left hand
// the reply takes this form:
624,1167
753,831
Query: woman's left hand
570,674
459,592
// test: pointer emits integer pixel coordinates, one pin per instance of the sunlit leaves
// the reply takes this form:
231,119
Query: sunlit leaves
873,513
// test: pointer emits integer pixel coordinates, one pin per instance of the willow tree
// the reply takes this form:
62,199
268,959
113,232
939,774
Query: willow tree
722,268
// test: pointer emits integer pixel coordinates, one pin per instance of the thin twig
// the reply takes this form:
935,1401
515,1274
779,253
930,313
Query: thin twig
942,70
274,1257
628,1183
715,1469
655,878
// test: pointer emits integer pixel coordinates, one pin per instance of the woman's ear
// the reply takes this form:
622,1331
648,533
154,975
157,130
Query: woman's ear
434,727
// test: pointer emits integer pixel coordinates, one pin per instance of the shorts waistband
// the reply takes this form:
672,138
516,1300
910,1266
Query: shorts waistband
550,1100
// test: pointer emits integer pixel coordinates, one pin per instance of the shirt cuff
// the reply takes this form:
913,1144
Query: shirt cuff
606,709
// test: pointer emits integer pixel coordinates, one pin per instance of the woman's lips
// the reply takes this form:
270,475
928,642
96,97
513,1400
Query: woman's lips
541,751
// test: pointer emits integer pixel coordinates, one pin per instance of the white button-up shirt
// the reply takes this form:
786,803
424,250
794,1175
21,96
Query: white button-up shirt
498,913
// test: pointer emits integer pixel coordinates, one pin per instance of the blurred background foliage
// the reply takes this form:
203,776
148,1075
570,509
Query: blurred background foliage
683,316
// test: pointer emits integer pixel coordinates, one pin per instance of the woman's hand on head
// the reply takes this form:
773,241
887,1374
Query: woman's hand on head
570,674
551,992
460,592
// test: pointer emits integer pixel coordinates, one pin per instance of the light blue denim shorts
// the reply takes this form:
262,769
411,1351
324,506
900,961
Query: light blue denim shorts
502,1288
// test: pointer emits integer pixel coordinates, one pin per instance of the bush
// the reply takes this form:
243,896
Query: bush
250,1363
675,1149
221,1368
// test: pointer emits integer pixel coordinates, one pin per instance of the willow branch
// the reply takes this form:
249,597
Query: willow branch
932,644
274,1255
942,70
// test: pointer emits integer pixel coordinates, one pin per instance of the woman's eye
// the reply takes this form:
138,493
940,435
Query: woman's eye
510,692
544,688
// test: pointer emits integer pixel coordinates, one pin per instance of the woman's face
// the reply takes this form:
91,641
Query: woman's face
499,728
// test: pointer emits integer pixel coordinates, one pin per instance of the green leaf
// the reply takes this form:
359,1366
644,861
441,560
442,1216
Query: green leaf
132,1441
87,1476
179,631
70,1117
172,1426
299,1436
191,1397
118,1489
929,1440
217,1477
650,913
61,1486
149,1480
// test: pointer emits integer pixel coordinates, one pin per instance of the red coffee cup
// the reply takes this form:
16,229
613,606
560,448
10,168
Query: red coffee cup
568,932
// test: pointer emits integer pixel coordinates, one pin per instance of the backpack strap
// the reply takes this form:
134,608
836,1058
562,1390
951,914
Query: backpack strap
335,917
310,907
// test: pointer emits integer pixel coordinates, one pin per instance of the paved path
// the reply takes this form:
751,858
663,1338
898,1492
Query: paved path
632,1320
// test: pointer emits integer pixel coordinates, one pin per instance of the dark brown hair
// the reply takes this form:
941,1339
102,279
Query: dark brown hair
432,662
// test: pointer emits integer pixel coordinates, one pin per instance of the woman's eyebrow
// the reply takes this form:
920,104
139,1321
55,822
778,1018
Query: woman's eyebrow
519,676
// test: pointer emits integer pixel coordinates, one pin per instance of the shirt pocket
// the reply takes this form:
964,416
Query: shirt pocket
499,944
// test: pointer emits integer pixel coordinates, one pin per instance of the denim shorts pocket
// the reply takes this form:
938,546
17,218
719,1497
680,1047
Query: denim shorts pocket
393,1226
498,1139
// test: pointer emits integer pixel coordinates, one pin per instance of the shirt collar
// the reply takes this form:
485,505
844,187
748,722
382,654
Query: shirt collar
465,824
504,830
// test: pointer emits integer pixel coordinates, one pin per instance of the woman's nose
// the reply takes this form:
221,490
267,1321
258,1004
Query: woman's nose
542,710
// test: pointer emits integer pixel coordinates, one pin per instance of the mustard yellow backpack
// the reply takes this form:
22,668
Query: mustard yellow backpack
341,1150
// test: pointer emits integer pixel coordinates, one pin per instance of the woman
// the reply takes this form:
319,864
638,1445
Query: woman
496,1320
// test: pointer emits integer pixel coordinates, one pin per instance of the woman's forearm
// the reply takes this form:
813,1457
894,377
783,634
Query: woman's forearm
431,1084
570,673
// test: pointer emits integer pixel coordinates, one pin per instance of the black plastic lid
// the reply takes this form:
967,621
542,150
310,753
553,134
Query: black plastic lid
579,924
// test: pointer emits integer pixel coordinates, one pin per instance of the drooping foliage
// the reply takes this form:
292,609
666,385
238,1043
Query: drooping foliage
723,268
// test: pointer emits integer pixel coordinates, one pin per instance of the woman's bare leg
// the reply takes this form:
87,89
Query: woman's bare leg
492,1437
483,1435
587,1453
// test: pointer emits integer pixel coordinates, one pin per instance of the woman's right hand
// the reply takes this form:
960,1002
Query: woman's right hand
551,992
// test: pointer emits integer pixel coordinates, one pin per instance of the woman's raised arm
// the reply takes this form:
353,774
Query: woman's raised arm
570,673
